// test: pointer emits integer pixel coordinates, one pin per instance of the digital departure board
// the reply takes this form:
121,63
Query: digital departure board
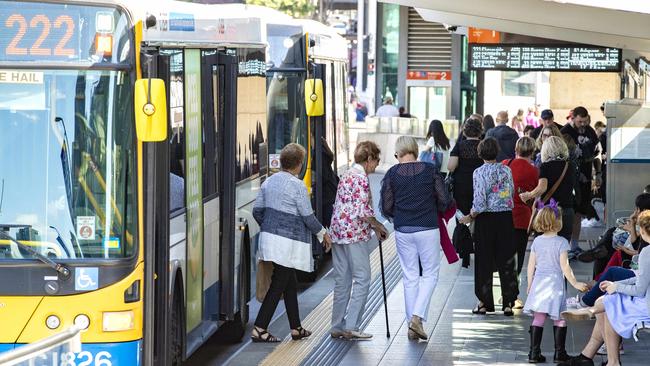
543,57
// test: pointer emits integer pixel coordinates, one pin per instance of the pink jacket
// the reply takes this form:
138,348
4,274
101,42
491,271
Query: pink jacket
445,241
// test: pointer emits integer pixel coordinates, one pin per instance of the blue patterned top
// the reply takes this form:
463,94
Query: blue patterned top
412,194
287,222
493,188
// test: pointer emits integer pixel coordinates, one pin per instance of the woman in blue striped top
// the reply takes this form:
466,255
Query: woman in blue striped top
287,223
492,210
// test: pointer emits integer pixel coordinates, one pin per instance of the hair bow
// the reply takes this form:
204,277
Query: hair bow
552,204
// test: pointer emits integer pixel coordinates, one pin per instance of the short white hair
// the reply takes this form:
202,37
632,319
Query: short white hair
406,145
554,148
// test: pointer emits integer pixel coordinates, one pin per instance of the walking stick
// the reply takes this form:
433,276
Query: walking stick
383,285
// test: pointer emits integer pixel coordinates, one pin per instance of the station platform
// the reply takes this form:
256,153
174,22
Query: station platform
456,336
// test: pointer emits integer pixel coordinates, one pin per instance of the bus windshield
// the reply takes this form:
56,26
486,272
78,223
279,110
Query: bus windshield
67,163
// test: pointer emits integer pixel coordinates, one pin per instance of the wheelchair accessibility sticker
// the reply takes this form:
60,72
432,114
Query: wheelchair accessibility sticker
86,279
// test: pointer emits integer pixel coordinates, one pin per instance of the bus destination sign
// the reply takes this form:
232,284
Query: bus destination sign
38,33
543,57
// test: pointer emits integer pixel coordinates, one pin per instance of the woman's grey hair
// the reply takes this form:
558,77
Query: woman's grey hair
406,145
554,148
292,156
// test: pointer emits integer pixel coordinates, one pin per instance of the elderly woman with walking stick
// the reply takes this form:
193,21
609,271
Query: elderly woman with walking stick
413,194
353,221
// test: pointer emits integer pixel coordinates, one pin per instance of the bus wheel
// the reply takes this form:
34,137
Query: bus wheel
176,347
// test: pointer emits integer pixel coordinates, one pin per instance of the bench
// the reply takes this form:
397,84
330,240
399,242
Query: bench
642,328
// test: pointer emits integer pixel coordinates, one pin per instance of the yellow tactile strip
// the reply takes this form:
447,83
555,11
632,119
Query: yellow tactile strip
289,352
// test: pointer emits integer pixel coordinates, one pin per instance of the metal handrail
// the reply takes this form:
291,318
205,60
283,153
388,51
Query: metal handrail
29,351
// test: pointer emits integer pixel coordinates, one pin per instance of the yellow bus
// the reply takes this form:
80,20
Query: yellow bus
299,50
133,142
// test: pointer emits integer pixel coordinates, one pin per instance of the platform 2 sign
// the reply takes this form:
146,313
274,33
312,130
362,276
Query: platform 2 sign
511,57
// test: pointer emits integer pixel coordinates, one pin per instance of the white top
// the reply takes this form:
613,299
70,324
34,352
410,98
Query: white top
431,146
387,110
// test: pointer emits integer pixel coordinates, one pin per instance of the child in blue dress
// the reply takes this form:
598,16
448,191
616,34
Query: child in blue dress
548,265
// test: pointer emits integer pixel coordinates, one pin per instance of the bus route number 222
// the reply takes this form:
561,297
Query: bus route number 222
43,22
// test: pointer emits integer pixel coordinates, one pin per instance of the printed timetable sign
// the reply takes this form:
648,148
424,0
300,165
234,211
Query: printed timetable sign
544,57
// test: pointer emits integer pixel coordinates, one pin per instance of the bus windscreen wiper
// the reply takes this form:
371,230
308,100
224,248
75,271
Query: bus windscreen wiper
60,268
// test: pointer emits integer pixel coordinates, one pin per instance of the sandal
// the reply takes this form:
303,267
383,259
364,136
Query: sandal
302,333
260,338
480,309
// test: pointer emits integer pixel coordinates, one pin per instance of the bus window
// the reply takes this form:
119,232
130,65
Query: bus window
251,113
177,135
286,110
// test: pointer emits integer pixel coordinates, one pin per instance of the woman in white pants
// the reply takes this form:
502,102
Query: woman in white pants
412,195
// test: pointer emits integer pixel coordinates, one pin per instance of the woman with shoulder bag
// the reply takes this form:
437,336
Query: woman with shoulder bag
556,180
437,147
287,223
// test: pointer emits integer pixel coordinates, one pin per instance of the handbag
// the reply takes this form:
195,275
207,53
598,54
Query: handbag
548,196
431,157
263,279
449,182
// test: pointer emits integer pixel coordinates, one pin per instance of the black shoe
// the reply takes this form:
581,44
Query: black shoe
579,360
535,354
559,334
597,252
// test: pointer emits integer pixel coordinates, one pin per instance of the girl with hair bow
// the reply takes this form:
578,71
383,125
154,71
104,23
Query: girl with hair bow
548,265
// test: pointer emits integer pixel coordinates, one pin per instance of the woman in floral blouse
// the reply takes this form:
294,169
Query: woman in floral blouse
492,210
352,221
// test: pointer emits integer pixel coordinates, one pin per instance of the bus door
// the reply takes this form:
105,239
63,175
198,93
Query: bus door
219,91
318,133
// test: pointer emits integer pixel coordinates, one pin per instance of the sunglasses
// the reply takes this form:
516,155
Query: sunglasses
395,155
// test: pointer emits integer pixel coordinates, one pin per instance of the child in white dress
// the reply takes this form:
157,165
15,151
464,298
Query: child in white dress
548,265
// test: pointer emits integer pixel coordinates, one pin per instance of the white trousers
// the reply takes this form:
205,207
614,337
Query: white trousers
425,246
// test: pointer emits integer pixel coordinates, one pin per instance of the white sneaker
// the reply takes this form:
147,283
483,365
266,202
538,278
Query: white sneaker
573,302
597,223
603,350
355,334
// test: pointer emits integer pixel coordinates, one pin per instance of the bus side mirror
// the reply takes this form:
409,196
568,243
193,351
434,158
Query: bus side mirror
150,110
314,98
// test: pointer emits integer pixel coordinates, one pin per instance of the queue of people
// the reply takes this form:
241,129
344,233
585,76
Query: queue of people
502,186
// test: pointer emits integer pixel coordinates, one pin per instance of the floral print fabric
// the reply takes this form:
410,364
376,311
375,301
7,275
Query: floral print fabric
353,204
493,188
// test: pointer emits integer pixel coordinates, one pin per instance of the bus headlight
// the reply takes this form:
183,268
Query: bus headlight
82,321
117,321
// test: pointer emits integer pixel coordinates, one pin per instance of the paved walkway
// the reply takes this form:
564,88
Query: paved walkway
458,337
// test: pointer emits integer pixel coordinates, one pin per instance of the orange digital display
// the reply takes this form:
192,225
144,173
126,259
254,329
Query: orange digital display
38,35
